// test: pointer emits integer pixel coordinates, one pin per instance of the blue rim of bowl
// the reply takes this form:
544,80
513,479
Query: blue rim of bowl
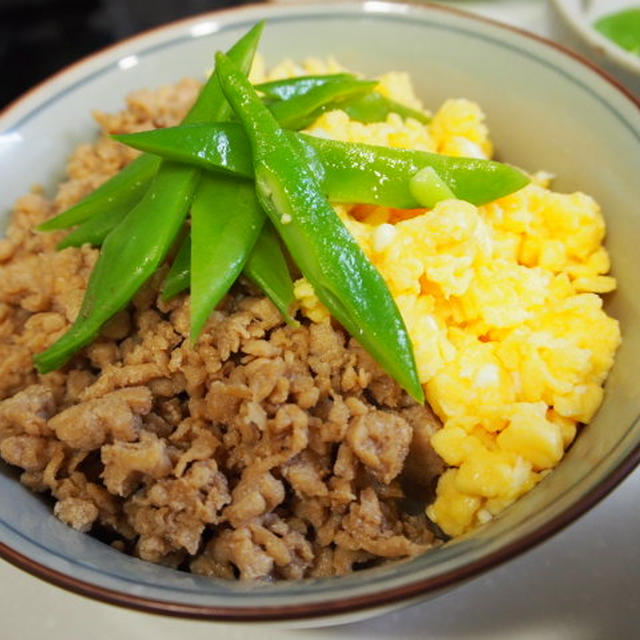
347,604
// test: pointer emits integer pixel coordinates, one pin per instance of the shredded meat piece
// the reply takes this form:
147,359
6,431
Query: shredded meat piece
27,412
422,465
77,513
366,527
255,495
381,442
115,416
263,451
127,463
264,548
304,474
171,514
32,453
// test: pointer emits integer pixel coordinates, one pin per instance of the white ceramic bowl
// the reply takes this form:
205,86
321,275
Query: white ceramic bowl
580,16
546,109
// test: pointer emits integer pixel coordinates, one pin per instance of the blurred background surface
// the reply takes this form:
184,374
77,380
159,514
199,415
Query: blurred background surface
40,37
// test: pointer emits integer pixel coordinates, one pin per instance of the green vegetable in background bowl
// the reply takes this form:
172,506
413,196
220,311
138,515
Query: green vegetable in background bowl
623,28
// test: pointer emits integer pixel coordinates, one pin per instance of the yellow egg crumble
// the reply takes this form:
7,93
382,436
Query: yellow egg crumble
501,303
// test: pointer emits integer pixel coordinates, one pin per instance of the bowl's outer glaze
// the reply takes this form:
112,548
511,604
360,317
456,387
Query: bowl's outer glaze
546,110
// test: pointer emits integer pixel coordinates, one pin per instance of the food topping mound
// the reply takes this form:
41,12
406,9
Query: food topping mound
276,448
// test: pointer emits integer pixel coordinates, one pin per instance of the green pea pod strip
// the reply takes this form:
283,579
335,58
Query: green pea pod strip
219,146
126,188
374,107
354,170
123,191
134,249
226,219
288,88
370,107
94,230
428,188
349,172
129,256
267,269
301,110
295,113
210,106
179,275
342,276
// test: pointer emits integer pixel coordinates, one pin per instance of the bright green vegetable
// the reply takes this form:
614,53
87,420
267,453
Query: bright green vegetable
226,220
342,276
129,256
369,107
134,249
348,172
353,170
121,192
94,230
112,200
288,88
428,188
267,269
220,146
374,107
623,28
125,189
301,110
119,195
310,96
179,275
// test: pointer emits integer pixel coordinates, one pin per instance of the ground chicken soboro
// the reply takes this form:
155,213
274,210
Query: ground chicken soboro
267,451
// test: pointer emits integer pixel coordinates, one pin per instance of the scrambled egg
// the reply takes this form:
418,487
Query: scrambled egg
501,303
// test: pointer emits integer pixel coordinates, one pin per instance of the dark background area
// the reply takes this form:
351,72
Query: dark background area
40,37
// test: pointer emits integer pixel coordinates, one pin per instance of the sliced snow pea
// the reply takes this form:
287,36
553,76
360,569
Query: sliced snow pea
226,220
137,245
342,276
131,252
354,170
348,172
370,107
301,110
374,107
120,193
306,97
94,230
428,188
291,87
293,113
179,275
125,189
266,267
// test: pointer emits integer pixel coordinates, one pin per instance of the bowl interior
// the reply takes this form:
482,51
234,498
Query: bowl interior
545,111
